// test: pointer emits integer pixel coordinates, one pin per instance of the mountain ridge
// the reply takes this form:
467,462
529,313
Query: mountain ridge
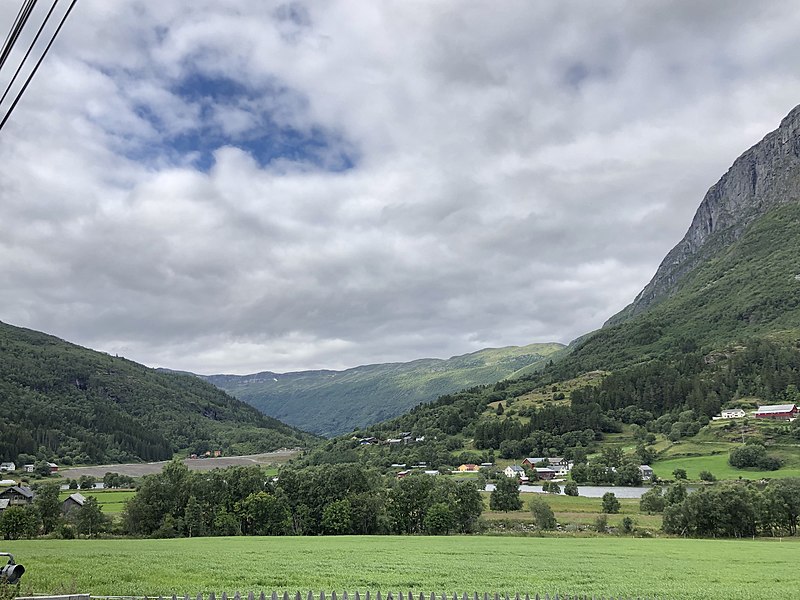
760,179
331,402
76,405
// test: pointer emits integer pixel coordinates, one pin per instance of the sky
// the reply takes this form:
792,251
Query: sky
240,186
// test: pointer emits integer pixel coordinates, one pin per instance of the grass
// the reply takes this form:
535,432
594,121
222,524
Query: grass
578,510
111,501
718,465
668,568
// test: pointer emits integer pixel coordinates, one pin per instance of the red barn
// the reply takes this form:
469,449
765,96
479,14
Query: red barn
783,412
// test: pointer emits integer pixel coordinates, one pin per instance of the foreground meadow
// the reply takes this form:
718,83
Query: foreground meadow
667,568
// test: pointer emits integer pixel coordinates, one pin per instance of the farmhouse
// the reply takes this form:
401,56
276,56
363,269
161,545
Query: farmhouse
557,463
7,467
514,471
783,412
76,500
646,471
29,468
732,413
545,473
467,468
17,495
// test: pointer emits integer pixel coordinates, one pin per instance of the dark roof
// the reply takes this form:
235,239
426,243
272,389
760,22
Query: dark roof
22,491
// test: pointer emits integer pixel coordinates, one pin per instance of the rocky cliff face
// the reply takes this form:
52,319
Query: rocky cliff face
765,176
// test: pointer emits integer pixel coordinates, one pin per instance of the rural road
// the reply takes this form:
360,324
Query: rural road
195,464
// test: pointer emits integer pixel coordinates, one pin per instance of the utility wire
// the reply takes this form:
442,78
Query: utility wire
38,63
13,35
33,43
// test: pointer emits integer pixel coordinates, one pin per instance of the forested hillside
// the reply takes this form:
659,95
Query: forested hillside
67,403
335,402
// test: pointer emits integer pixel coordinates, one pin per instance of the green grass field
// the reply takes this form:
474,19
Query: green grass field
111,501
718,465
578,510
668,568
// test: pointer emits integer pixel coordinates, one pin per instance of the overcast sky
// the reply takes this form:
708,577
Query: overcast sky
247,185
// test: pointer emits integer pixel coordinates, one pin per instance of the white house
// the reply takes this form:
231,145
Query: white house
646,471
7,467
514,471
732,413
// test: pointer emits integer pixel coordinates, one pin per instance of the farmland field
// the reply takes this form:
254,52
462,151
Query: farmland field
668,568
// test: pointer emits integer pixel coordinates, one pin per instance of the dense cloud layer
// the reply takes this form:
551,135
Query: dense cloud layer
241,186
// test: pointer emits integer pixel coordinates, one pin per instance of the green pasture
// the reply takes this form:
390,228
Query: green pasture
667,568
111,501
578,510
718,465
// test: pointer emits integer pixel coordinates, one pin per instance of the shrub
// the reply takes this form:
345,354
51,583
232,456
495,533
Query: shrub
707,476
543,516
571,488
610,503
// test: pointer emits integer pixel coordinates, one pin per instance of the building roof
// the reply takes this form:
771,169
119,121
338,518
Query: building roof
777,408
645,468
77,498
535,460
21,490
516,468
545,470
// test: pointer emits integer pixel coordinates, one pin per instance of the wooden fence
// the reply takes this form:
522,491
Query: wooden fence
345,596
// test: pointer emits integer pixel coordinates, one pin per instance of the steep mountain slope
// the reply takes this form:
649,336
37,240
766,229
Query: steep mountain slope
334,402
78,405
761,179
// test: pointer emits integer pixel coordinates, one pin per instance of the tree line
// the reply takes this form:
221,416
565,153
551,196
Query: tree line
348,499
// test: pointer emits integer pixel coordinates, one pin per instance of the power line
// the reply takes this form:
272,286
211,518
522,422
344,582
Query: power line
12,39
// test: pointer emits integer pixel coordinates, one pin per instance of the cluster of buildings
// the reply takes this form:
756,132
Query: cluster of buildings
10,467
545,467
778,412
19,495
404,437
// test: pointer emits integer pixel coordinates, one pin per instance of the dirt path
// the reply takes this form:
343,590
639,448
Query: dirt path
195,464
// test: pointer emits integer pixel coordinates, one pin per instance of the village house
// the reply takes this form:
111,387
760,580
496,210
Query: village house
732,413
29,468
7,467
17,495
782,412
74,501
545,473
557,463
53,468
646,471
467,468
514,471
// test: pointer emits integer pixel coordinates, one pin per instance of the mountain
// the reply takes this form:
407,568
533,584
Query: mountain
719,325
734,275
74,405
334,402
760,180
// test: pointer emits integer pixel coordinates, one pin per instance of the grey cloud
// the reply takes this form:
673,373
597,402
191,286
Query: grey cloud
519,174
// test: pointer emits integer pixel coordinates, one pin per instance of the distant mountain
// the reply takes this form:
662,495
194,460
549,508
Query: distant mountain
76,405
334,402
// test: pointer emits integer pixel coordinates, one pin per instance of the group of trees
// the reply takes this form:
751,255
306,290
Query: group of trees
348,499
734,509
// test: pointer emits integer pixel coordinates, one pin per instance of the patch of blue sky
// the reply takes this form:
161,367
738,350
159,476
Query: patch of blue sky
269,134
